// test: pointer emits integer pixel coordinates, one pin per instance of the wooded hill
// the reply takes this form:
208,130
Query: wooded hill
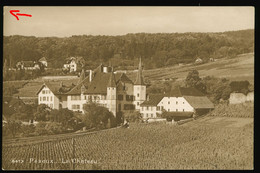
157,50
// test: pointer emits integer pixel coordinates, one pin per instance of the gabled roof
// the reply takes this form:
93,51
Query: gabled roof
199,102
154,99
180,91
55,88
43,59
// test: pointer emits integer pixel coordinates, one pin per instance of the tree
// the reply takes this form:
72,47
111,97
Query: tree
193,80
98,115
42,112
13,125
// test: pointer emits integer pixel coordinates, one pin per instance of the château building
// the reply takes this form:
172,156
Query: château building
102,86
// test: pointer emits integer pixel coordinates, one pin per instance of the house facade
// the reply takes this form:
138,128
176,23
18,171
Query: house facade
73,63
181,100
102,86
44,62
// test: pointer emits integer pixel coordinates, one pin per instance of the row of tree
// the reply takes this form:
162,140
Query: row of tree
157,50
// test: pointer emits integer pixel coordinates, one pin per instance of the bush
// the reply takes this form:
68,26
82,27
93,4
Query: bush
27,130
133,117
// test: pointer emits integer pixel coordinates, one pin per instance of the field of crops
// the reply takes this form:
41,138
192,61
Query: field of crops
243,110
195,145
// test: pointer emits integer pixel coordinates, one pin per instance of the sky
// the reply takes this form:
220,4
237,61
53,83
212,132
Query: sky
67,21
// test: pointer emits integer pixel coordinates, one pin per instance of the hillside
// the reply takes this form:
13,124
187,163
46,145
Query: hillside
157,50
240,67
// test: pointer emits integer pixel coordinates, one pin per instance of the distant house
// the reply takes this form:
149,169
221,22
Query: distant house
198,61
236,98
73,63
181,100
43,61
27,65
211,59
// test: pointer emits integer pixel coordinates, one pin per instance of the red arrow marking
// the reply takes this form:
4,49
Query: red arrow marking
18,14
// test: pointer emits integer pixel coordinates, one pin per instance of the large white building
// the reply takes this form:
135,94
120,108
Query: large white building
181,101
102,86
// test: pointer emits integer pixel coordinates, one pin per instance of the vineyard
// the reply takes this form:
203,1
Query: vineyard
197,144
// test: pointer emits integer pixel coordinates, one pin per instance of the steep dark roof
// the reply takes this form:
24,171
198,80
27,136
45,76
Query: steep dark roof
43,59
199,102
82,76
99,83
154,99
112,80
180,91
139,78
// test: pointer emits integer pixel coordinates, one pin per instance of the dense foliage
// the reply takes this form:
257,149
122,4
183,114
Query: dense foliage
157,50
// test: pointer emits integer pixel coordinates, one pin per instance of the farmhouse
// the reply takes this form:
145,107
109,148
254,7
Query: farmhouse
198,61
43,61
102,86
181,100
73,63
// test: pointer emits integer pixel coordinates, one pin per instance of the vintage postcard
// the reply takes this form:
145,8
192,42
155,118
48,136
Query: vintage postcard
128,88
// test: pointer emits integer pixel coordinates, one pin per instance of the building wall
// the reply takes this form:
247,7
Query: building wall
139,95
112,100
175,104
75,105
47,97
236,98
149,111
73,66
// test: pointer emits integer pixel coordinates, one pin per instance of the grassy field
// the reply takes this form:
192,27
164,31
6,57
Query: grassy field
207,143
238,68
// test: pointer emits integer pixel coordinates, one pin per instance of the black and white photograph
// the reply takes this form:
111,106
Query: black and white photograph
128,88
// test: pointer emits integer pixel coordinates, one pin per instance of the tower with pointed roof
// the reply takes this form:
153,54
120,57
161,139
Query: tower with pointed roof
139,88
111,94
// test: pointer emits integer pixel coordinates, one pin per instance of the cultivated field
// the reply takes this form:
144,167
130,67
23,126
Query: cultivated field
207,143
238,68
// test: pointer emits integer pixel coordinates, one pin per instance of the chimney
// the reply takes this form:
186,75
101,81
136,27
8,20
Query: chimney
90,75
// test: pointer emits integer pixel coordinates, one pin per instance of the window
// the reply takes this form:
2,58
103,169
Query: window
168,102
43,91
40,98
75,106
120,97
176,102
51,98
47,98
137,103
168,110
44,98
183,110
183,102
137,94
152,115
176,110
85,97
158,108
75,97
147,107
